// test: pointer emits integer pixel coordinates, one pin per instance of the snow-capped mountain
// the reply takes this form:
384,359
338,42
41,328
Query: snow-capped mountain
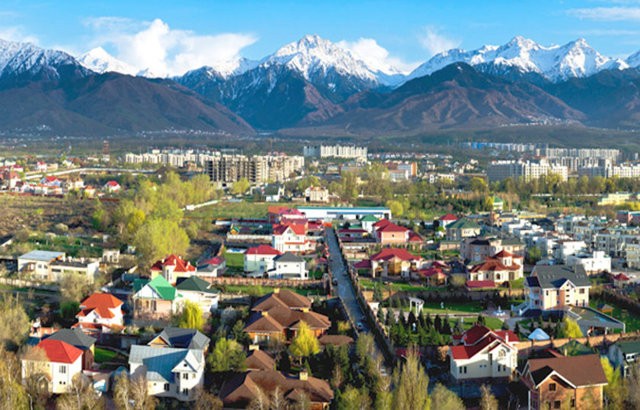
554,63
24,61
100,61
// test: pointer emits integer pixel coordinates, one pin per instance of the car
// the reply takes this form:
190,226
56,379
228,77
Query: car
335,282
360,326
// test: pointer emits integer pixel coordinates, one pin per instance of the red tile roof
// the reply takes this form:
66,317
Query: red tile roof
216,260
477,338
381,223
60,352
112,184
448,217
390,253
296,228
263,250
414,237
506,254
101,303
363,264
173,260
621,277
494,265
391,227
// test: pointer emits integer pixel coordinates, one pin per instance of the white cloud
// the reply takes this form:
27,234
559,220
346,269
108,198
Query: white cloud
435,42
607,13
158,49
17,33
376,56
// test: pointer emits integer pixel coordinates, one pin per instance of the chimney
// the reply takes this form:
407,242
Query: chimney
254,347
304,376
264,313
276,290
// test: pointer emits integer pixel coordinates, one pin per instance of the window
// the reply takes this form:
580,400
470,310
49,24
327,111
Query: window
552,387
185,392
185,376
166,387
573,402
581,291
556,404
63,370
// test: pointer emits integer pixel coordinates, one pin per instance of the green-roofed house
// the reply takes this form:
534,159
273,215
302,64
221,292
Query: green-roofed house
155,299
199,291
463,228
624,355
367,222
498,204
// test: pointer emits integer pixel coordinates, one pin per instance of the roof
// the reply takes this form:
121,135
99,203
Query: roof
390,253
463,223
216,260
448,217
160,362
112,183
282,297
101,300
259,360
183,338
58,351
493,265
506,254
570,368
391,227
180,265
629,347
538,334
42,256
298,229
74,337
195,284
288,257
363,264
479,337
555,276
160,285
621,277
335,340
263,250
279,318
369,218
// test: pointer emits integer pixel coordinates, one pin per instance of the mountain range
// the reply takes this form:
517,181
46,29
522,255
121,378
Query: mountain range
316,87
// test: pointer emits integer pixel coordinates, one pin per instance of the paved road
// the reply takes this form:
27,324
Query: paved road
345,290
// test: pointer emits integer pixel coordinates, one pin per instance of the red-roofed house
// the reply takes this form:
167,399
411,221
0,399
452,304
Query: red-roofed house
172,267
389,233
58,365
291,238
620,280
484,353
51,181
447,219
394,261
260,259
499,268
111,187
101,309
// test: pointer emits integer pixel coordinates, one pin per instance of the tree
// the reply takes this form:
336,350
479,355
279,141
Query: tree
411,383
615,391
74,288
132,393
478,185
353,398
158,238
305,343
534,254
396,208
227,356
35,369
15,323
240,187
206,401
12,392
444,399
191,316
571,328
80,396
487,401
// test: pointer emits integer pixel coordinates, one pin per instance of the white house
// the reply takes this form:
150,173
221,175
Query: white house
200,292
289,266
101,311
484,354
565,248
259,259
290,238
590,264
87,268
112,187
38,263
555,287
59,364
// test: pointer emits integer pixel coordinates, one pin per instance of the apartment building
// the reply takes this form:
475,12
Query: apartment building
227,169
528,170
335,151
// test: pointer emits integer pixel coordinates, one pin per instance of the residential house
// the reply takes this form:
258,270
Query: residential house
181,338
565,248
388,233
290,238
59,364
260,259
276,316
100,312
199,291
316,194
38,263
242,390
556,287
51,181
394,262
574,382
259,360
624,354
172,268
462,228
368,222
590,263
484,354
620,280
476,250
112,187
79,340
500,268
446,220
289,266
86,268
155,299
211,268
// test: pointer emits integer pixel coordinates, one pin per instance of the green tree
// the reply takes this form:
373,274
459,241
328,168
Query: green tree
12,392
571,328
354,399
240,187
411,383
74,287
15,323
305,343
444,399
158,238
616,389
396,208
191,316
478,185
487,400
227,356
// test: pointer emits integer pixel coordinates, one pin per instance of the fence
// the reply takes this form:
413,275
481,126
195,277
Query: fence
284,283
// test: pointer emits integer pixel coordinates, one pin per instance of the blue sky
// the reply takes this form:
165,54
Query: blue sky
174,35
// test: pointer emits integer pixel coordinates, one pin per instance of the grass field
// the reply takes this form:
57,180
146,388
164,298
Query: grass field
369,284
104,355
234,260
632,322
232,210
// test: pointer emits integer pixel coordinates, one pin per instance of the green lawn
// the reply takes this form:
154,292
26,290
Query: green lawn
369,284
517,284
103,355
632,322
234,260
226,210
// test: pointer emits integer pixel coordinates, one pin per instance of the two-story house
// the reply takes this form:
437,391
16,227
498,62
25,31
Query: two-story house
172,268
289,266
290,238
394,262
624,354
556,287
484,354
260,259
499,268
101,312
58,365
155,299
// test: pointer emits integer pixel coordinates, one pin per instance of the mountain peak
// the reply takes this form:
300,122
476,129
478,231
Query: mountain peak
100,61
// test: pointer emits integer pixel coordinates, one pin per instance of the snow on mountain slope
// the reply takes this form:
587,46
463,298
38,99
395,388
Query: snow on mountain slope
555,63
100,61
315,57
20,58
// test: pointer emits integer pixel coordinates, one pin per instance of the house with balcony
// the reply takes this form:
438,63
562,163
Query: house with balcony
555,288
394,262
59,364
499,268
260,259
100,312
